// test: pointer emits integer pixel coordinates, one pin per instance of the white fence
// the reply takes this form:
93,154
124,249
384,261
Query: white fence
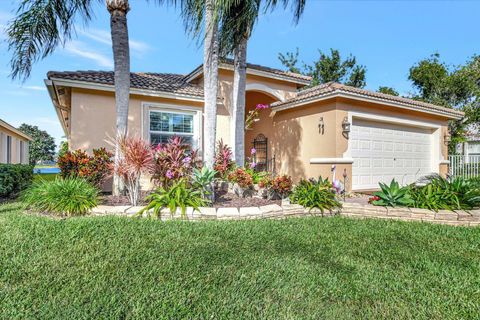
465,166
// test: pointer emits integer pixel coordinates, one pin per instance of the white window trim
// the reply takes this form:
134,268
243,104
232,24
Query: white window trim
147,107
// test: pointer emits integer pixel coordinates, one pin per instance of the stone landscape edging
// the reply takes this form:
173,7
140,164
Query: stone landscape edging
274,211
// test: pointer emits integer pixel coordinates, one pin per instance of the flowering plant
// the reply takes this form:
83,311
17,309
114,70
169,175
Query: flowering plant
173,160
223,160
374,198
252,115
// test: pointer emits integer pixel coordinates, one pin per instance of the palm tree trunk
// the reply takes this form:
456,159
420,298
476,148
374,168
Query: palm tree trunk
210,73
237,125
121,55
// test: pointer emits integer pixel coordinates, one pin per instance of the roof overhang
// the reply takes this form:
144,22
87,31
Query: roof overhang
15,130
454,114
111,88
256,72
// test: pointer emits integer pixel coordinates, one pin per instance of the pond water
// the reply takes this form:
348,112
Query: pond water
46,170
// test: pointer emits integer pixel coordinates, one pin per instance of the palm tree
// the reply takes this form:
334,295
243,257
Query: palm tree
237,21
196,12
41,26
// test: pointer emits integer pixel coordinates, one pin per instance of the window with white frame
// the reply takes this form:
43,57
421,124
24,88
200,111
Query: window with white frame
165,124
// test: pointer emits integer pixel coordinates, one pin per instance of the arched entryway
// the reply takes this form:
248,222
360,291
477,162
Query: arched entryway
261,130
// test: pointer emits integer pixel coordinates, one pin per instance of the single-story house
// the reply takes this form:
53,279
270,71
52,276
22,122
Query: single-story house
14,144
373,137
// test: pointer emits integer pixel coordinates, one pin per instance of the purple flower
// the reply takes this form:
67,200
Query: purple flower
169,174
253,151
252,165
262,106
187,160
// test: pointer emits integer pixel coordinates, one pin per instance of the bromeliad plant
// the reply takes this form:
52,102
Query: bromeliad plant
177,196
393,195
174,160
223,164
315,194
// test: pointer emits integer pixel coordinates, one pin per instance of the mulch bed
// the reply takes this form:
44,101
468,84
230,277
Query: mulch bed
230,200
222,199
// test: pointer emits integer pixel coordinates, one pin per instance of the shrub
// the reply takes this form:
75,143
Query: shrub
69,196
14,178
393,195
136,158
265,182
241,177
282,185
315,194
223,160
95,169
447,194
174,160
177,196
203,180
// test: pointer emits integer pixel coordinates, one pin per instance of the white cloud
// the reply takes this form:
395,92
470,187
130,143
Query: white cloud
34,88
79,49
103,36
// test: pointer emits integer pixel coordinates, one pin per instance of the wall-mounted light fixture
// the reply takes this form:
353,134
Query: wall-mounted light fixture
346,127
321,126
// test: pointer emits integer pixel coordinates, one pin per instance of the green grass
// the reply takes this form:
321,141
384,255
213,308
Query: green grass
307,268
45,176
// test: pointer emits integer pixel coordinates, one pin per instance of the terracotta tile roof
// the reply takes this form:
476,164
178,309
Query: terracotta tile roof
286,74
162,82
311,94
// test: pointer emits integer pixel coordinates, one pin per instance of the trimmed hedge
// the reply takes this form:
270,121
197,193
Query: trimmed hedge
14,178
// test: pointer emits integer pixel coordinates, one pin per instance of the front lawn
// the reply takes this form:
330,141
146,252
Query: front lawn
315,268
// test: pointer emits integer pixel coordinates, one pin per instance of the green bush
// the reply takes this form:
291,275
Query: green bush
14,178
447,194
69,196
177,196
393,195
315,194
202,180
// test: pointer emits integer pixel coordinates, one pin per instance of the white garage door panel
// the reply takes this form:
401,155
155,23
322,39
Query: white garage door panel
384,151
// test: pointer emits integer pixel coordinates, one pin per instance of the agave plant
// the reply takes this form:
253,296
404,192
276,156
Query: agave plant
203,180
393,195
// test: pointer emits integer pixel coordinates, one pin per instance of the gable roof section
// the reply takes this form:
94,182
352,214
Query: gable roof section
333,89
256,69
9,127
156,82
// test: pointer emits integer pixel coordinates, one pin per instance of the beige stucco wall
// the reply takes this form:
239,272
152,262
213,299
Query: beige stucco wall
297,139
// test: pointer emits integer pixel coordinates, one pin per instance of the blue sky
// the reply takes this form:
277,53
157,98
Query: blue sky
387,37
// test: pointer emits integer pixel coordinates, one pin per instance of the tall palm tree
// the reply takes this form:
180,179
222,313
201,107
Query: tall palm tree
198,15
41,26
237,20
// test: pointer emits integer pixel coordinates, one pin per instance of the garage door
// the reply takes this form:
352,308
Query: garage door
383,151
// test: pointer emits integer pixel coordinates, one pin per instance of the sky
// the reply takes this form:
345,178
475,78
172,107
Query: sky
388,37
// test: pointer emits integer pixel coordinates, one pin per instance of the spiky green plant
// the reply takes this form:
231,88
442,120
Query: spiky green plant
203,180
315,194
178,196
393,195
69,196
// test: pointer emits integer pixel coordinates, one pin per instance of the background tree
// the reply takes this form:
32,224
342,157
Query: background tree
328,67
387,90
42,148
452,87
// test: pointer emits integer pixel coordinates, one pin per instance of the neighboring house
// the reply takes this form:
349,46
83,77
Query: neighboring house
13,144
374,137
471,146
